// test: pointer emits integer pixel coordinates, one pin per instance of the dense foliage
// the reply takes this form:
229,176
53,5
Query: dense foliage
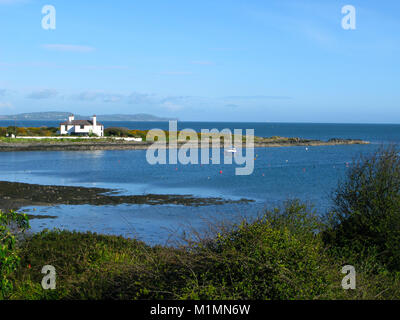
366,213
28,132
124,132
9,258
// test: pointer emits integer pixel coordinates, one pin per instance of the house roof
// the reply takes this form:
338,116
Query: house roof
80,123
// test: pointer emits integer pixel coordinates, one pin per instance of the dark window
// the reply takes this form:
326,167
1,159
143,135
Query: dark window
82,126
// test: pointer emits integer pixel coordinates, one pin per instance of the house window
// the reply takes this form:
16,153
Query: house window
65,128
82,126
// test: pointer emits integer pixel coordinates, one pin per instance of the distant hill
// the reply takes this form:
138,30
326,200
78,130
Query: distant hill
60,116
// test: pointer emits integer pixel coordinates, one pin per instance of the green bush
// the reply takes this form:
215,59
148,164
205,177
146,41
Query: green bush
9,259
115,132
32,132
278,256
84,262
366,215
124,132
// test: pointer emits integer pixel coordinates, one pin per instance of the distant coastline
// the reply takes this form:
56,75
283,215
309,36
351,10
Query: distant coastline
61,116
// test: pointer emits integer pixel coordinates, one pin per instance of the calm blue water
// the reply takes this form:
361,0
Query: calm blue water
280,174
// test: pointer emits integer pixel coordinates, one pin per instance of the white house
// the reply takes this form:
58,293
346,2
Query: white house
82,127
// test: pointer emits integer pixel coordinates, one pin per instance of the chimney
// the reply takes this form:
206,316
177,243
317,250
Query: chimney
71,118
94,120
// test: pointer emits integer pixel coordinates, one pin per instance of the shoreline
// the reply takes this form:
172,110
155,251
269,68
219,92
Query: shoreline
15,195
118,145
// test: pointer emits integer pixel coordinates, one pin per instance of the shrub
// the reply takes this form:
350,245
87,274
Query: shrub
21,131
278,256
117,132
365,217
9,259
88,266
3,132
124,132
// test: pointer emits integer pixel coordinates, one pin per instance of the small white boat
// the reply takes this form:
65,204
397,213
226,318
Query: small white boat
231,150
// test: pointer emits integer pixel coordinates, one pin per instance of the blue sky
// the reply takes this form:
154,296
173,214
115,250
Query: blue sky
217,60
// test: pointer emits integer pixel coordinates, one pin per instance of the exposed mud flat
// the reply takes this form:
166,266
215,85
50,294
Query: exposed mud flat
14,195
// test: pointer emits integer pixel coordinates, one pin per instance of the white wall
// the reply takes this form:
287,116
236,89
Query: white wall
98,130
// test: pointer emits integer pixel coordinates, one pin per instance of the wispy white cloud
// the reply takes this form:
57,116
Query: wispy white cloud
98,96
172,106
88,96
311,24
5,105
142,98
59,66
113,98
12,1
226,49
28,65
232,106
176,73
260,97
203,62
147,101
68,48
43,94
104,67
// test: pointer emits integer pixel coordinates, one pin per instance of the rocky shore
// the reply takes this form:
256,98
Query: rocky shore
14,195
125,145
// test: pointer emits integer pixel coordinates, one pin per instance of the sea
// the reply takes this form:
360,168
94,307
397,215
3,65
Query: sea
309,174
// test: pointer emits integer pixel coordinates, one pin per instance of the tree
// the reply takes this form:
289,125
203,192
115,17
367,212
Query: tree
366,211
